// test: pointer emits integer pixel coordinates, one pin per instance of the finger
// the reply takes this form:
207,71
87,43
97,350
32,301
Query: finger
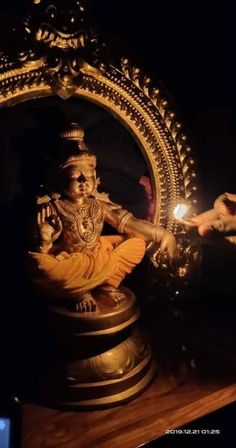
89,306
205,218
223,209
231,239
172,251
163,246
187,222
39,218
43,215
231,197
221,206
220,200
224,226
226,204
48,211
83,307
168,247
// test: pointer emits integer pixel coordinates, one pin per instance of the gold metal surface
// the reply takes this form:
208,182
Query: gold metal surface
73,260
107,368
107,321
109,377
57,58
113,399
122,89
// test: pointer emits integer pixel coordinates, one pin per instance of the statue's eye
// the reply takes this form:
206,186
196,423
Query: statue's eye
51,11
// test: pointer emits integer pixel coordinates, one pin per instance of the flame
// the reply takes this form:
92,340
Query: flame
180,210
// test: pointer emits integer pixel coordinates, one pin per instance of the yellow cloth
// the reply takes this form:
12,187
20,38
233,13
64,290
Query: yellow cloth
73,274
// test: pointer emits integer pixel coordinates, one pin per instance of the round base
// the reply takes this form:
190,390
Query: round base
107,378
103,359
138,384
106,320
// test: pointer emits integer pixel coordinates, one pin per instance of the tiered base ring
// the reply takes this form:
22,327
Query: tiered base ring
103,360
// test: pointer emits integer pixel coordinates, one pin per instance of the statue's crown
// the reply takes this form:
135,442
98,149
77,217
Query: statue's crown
76,133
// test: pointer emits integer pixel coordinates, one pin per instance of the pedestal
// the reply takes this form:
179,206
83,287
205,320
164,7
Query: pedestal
103,359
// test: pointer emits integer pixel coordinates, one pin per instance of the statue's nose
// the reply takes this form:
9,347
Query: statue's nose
81,178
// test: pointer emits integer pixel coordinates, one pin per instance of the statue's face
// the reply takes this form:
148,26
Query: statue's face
80,182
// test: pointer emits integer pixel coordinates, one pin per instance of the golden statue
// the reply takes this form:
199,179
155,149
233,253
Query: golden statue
104,358
73,260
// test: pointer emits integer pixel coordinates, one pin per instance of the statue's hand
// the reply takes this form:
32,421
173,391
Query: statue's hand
45,232
49,228
56,224
168,244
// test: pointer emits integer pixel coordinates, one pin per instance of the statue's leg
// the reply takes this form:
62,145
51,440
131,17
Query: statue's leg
125,257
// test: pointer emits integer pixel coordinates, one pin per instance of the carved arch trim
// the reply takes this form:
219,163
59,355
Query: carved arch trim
124,92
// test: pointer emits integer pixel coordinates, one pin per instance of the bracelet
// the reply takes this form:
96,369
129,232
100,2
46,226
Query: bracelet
156,236
122,220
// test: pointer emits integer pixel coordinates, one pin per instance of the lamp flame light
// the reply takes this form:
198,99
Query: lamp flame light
180,210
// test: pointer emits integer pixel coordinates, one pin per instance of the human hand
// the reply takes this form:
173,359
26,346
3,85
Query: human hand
225,204
221,220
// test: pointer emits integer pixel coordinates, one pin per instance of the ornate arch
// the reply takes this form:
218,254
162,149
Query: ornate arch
58,51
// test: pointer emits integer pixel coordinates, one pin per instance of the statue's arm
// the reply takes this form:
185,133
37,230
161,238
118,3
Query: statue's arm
149,232
125,222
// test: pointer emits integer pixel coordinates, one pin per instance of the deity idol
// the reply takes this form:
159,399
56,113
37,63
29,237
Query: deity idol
73,260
